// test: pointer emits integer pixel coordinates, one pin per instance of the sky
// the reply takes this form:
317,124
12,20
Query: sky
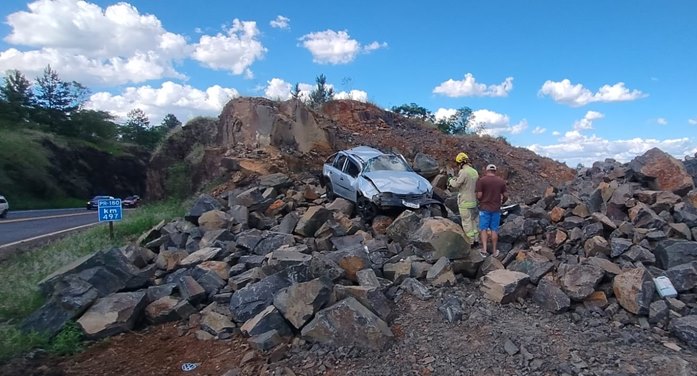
574,81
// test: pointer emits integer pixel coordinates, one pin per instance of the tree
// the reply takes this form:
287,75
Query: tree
57,100
136,127
170,122
15,96
295,91
95,125
462,122
413,111
322,93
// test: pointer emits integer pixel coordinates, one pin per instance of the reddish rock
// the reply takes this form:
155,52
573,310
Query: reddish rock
380,224
662,172
556,214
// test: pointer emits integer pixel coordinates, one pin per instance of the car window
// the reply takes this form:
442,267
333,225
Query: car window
3,201
352,168
387,163
331,159
339,163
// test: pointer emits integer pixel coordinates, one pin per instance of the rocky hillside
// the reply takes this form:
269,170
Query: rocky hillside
312,288
39,169
255,136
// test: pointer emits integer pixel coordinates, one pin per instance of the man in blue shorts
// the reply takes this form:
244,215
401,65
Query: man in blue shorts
491,193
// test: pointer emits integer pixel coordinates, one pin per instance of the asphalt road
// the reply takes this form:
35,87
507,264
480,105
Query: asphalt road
21,226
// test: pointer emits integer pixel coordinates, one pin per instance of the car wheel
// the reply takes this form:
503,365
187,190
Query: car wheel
330,192
366,209
3,214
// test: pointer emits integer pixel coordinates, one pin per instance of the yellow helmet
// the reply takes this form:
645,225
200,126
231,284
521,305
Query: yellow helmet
462,157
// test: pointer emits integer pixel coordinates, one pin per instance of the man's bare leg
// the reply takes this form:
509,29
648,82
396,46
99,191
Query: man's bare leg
483,238
494,240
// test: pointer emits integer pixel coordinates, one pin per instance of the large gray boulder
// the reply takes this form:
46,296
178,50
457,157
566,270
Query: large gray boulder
277,181
299,302
202,204
532,264
683,277
107,270
268,319
505,286
685,328
312,220
401,229
71,297
371,298
634,290
671,252
348,323
579,281
248,301
440,237
425,165
113,314
550,297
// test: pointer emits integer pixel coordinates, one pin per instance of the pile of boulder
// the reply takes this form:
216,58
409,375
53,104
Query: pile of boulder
279,263
273,261
599,241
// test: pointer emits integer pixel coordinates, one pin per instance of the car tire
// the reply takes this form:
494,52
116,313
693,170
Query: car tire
366,209
330,191
3,214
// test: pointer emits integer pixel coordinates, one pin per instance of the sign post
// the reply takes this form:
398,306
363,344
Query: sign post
110,210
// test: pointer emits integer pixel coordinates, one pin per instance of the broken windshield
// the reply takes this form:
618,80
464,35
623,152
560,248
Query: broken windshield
386,163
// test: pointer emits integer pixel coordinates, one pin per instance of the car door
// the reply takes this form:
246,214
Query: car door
350,174
334,173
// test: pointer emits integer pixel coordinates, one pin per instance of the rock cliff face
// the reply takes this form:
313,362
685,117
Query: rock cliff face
85,171
260,136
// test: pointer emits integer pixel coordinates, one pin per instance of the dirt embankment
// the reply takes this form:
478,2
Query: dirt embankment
291,137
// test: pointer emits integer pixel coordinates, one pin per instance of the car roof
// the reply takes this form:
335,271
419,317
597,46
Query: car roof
364,153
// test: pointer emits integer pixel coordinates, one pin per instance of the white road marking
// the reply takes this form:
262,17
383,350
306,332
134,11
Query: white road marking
47,217
46,235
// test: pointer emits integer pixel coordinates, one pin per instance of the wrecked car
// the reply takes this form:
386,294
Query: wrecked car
376,181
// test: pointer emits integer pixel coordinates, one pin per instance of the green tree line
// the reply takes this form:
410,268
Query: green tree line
53,105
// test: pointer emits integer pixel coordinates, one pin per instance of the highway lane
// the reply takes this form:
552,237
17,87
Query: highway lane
19,214
13,230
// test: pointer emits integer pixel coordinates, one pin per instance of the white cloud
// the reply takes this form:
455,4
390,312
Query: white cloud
92,45
493,123
661,121
374,46
587,121
575,148
279,89
496,124
692,121
183,101
235,51
469,87
335,47
444,113
577,95
539,130
280,22
356,95
556,133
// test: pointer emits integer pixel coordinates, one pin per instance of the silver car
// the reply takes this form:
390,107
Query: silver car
374,180
4,207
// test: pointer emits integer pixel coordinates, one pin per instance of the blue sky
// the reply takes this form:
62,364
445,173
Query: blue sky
576,81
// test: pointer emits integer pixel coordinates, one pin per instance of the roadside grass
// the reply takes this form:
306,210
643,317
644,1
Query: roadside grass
21,272
29,203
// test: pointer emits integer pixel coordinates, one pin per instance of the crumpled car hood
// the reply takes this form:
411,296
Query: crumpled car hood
399,182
